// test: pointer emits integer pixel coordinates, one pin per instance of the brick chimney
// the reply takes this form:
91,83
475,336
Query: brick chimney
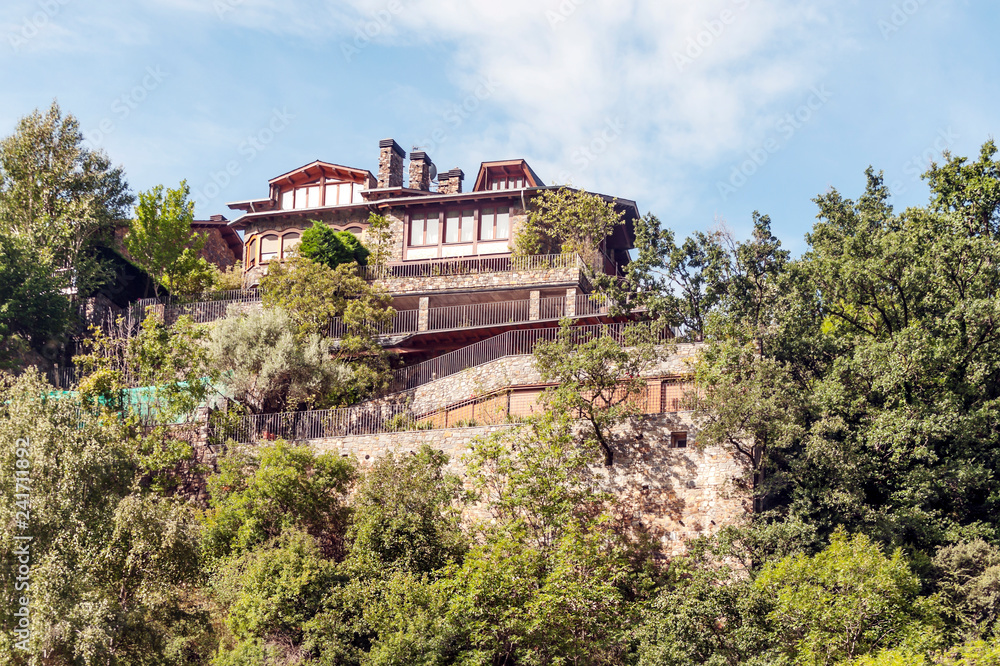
450,182
420,171
390,163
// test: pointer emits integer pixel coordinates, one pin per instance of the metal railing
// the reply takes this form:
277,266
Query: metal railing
509,343
471,266
478,314
403,323
496,408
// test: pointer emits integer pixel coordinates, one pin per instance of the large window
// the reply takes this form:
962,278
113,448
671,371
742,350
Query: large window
252,253
424,229
494,224
288,243
269,247
459,226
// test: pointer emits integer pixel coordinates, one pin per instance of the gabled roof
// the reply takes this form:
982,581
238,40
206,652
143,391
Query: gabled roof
319,168
488,170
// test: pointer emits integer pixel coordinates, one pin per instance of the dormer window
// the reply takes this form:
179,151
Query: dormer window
507,183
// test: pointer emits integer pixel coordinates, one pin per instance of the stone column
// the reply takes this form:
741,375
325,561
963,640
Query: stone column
423,314
534,305
570,302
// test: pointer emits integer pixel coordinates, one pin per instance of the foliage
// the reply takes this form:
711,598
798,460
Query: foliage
968,575
161,242
111,566
228,279
266,367
566,220
257,498
404,514
33,308
315,295
323,245
599,378
846,601
58,195
378,240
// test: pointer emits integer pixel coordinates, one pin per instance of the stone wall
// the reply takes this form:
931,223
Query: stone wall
570,276
674,494
512,371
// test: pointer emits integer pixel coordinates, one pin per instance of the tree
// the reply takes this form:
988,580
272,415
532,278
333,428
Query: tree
315,296
59,195
844,602
599,377
378,242
268,367
282,489
323,245
112,566
33,308
161,242
566,220
404,515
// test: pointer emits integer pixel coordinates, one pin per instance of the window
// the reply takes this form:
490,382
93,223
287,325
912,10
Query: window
507,183
354,230
289,242
288,200
678,440
269,245
424,229
312,197
252,253
494,224
459,226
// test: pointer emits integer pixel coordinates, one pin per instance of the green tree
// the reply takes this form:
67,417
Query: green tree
266,367
113,568
161,242
59,195
316,296
323,245
257,498
566,220
33,309
847,601
599,377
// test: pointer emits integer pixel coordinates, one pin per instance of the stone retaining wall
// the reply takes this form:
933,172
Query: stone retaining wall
570,276
676,494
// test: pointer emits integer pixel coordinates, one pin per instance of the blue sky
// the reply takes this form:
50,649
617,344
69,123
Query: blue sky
700,111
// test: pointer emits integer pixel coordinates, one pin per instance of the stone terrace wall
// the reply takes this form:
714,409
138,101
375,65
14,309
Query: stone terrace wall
568,276
675,494
511,371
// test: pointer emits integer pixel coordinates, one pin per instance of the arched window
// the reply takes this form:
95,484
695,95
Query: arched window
252,253
289,242
269,247
354,230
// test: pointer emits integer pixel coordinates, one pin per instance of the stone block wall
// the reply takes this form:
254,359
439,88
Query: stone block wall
674,494
571,276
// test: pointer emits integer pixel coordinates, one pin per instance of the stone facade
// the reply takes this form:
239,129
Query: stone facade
551,277
420,171
674,494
